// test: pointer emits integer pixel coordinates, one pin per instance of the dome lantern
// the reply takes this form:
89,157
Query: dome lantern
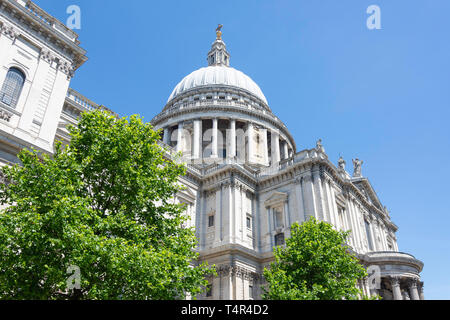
218,55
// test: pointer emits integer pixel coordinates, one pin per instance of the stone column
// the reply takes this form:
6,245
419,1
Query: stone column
265,146
232,140
243,216
356,222
396,291
413,292
218,219
196,152
335,209
228,215
373,234
270,225
405,295
318,193
421,295
180,137
330,204
214,138
251,147
166,138
275,141
285,150
299,214
287,219
366,288
310,203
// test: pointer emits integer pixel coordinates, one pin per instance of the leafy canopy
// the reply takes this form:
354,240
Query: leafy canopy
315,265
104,204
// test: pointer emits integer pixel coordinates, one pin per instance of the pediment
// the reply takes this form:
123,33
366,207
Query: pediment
276,198
368,192
187,195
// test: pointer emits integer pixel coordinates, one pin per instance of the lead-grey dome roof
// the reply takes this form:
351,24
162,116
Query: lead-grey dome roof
218,75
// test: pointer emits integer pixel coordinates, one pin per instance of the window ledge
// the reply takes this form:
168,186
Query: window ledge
5,107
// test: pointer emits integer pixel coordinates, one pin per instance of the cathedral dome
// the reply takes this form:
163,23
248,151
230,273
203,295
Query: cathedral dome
218,75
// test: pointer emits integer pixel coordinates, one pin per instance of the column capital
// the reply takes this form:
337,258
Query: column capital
414,292
9,31
420,285
413,283
395,280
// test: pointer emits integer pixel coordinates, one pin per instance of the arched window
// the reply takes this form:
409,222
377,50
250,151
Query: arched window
12,87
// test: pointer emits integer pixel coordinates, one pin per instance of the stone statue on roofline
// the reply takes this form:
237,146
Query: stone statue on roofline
357,167
319,146
341,163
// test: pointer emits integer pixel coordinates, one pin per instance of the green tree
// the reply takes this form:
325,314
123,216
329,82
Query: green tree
103,204
315,264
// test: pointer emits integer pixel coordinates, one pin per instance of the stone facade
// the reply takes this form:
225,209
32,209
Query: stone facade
251,183
246,181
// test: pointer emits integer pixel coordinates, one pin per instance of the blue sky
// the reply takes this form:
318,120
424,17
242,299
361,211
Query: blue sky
380,95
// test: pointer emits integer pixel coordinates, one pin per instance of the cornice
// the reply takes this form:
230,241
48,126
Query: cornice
239,271
43,32
391,257
324,169
213,89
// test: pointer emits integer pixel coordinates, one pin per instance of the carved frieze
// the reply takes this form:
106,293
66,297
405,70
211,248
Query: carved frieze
4,115
47,55
237,271
66,68
9,31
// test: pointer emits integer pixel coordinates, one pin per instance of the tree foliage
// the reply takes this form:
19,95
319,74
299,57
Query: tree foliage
315,265
104,204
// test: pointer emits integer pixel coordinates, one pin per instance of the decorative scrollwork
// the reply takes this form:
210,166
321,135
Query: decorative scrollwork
9,31
4,115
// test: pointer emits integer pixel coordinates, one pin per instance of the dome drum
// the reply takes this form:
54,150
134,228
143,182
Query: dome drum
215,138
218,112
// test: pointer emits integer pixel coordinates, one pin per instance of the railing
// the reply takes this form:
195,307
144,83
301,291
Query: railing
52,22
204,103
307,154
81,100
217,102
285,163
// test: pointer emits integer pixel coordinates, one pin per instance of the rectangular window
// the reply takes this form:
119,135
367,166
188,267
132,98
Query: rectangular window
209,290
249,222
279,239
250,292
210,221
278,218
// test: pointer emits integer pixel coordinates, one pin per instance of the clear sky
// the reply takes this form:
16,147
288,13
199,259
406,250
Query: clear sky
380,95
